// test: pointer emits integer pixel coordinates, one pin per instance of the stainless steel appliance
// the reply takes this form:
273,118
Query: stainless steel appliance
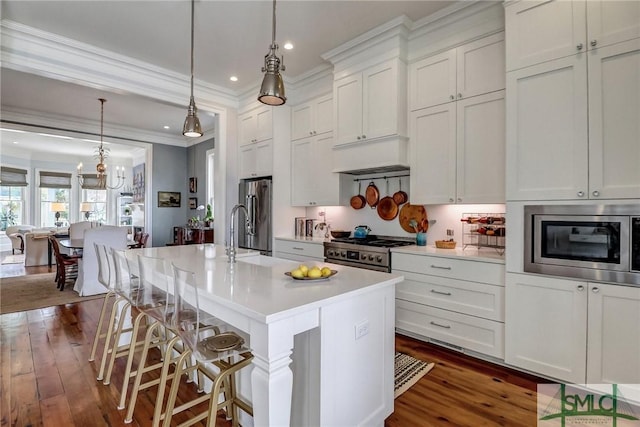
255,195
592,242
371,252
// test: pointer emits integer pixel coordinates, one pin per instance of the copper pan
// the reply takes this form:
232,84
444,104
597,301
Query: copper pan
400,197
358,202
387,207
372,195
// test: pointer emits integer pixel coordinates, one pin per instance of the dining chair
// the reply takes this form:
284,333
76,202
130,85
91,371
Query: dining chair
66,265
212,342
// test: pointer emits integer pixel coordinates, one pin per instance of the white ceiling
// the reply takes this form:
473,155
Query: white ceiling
231,38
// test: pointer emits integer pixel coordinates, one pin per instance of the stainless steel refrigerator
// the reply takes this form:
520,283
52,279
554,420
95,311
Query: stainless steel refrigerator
255,195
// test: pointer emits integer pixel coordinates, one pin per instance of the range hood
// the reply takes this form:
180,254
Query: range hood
381,155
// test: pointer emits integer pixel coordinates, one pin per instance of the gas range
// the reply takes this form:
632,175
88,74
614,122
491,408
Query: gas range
371,252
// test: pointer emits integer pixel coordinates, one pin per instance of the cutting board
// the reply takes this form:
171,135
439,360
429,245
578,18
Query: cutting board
409,212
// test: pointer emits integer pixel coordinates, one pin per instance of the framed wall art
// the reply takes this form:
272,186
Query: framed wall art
193,184
168,199
193,202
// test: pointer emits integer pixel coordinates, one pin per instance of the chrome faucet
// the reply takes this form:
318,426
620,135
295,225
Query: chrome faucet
231,247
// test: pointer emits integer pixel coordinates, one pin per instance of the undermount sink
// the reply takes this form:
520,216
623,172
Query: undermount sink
265,261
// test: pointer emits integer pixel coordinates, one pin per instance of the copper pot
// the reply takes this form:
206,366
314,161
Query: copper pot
358,202
400,196
372,195
387,207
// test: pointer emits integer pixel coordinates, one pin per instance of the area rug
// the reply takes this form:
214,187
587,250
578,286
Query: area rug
35,291
14,259
408,371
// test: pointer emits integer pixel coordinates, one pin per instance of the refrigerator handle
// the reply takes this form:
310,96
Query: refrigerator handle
251,218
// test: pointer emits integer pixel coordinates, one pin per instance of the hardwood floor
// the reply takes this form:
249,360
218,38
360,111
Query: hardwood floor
46,380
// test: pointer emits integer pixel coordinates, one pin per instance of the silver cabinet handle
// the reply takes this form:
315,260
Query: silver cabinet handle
580,288
595,290
459,96
451,199
596,193
441,293
297,248
580,193
314,132
594,43
579,46
364,136
439,267
452,97
440,326
310,133
359,137
459,199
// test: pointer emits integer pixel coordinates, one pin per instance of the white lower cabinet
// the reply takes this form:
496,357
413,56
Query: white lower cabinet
296,250
573,331
438,301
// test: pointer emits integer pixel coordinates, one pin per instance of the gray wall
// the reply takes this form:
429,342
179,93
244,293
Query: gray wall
169,174
197,166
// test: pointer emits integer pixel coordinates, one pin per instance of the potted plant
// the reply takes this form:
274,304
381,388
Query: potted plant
208,218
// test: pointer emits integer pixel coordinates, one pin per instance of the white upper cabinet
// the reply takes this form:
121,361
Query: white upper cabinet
469,70
312,118
541,31
255,126
569,136
370,104
312,181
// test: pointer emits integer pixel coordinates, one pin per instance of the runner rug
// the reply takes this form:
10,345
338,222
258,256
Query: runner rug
408,371
35,291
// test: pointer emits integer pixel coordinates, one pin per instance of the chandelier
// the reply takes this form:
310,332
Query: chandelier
101,167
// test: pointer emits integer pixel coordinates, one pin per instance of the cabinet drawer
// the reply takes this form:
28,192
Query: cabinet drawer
472,298
473,333
304,249
474,271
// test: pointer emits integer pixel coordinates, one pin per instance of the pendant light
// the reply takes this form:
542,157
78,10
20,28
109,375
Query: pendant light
272,89
192,126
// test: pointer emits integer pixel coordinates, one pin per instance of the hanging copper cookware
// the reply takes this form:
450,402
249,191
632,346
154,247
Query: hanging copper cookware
387,208
358,202
372,195
400,197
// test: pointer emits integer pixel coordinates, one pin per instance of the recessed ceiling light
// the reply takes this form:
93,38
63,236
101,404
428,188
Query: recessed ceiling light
15,142
233,78
166,127
288,46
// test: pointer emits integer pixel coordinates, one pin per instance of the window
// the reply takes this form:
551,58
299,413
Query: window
94,199
54,199
13,183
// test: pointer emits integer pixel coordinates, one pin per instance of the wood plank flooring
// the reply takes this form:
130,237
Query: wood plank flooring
46,380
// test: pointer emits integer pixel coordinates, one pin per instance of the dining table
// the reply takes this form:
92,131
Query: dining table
323,349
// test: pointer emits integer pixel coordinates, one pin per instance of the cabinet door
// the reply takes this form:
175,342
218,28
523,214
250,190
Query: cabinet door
301,121
264,124
480,66
433,154
547,131
614,334
610,22
247,161
480,138
614,113
348,109
380,100
323,115
325,183
539,31
432,81
301,175
545,326
264,158
247,131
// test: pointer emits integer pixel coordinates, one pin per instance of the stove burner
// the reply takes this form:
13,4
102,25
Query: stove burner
374,241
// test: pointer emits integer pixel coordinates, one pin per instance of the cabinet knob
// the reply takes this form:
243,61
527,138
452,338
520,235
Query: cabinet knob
595,290
459,199
314,132
580,288
459,96
359,137
580,193
451,199
596,193
452,97
364,136
594,43
579,46
310,133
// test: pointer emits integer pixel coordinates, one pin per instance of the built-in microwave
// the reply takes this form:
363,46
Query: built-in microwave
591,242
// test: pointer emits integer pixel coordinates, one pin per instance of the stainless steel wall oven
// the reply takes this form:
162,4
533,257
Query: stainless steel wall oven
591,242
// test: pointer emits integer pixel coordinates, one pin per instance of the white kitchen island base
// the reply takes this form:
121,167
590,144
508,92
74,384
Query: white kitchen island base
340,332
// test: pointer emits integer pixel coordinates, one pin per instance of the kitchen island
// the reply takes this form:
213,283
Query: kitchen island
338,332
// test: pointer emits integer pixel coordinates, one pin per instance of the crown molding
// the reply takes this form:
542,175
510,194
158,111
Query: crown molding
450,15
29,49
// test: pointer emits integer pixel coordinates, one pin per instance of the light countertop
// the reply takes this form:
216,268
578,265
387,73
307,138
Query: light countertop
472,254
257,286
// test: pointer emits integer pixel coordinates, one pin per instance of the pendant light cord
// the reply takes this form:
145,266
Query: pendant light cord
273,31
192,19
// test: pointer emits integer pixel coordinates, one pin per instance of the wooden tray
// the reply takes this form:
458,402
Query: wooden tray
409,212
